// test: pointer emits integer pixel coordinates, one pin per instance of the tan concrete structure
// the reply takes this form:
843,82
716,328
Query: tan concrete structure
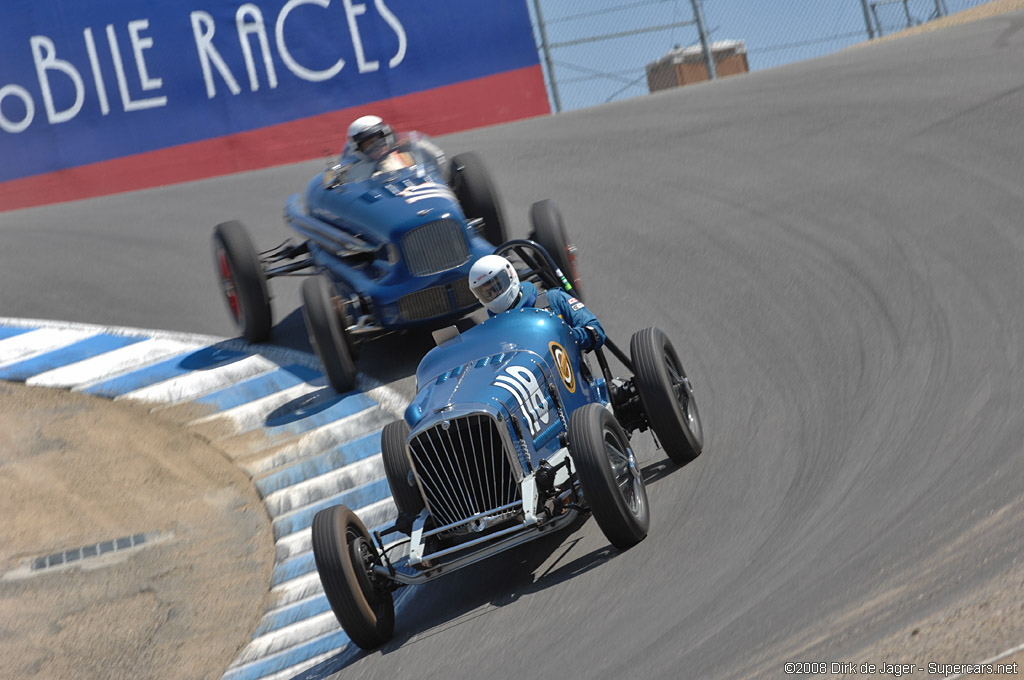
683,66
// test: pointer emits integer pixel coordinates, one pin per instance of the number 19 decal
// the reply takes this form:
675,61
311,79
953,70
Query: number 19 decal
523,385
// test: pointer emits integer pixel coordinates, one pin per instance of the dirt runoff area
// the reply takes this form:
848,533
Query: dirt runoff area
181,592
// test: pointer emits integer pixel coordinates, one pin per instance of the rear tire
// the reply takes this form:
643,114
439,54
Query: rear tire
397,469
666,394
344,555
327,333
478,196
611,481
243,281
549,231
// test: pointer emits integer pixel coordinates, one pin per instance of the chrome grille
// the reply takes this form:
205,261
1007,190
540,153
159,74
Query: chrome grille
425,303
464,469
463,295
435,247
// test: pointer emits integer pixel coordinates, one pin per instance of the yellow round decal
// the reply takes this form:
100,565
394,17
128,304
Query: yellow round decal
564,365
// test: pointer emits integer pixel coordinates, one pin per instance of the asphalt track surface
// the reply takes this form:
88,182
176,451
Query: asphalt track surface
836,249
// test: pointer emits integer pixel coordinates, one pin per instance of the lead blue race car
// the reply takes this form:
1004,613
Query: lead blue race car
386,247
512,435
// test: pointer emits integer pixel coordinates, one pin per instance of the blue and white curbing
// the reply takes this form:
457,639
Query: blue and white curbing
303,446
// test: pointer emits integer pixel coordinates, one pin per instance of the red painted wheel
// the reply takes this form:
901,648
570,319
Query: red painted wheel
243,283
227,279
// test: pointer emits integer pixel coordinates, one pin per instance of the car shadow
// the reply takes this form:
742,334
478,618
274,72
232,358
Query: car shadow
290,332
657,470
393,357
384,359
302,407
430,609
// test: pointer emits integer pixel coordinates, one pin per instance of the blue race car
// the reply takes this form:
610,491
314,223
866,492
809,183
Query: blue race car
387,247
511,436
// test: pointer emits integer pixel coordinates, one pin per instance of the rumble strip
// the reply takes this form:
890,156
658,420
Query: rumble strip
317,449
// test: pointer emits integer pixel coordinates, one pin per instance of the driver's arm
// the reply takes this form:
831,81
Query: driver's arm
584,325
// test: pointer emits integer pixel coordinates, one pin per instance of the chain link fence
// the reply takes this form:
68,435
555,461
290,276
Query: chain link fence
597,51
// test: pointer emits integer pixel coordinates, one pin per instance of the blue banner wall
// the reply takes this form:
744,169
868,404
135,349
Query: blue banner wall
84,82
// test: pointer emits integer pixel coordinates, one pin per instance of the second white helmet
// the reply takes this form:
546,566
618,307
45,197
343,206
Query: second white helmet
494,282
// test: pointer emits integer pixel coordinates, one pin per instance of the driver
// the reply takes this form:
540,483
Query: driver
373,146
496,284
370,138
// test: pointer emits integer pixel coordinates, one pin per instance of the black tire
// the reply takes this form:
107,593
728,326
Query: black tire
666,394
242,280
478,195
343,552
397,469
611,481
327,334
549,231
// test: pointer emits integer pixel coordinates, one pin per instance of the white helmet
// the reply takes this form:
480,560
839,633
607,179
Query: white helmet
494,282
370,138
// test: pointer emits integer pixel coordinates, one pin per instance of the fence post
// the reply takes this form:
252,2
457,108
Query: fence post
556,100
867,19
702,29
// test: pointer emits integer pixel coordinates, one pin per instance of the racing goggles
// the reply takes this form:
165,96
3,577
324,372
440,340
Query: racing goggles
493,287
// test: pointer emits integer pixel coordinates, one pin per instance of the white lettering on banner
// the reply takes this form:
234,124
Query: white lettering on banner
353,10
397,27
202,31
8,125
44,53
97,74
249,20
294,66
63,103
138,45
122,81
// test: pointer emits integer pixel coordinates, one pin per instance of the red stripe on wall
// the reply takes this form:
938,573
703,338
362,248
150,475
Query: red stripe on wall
474,103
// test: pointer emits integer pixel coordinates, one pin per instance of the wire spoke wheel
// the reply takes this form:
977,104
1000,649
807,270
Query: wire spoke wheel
684,395
627,477
612,484
478,195
397,469
549,231
345,557
327,333
667,396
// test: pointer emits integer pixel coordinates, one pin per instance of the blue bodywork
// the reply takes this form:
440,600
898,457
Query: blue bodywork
508,367
355,230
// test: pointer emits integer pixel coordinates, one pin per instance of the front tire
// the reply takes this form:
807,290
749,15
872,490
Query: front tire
397,469
243,281
611,481
478,196
344,556
549,231
666,394
327,334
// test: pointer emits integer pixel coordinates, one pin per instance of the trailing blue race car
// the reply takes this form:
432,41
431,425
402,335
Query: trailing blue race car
389,235
511,436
